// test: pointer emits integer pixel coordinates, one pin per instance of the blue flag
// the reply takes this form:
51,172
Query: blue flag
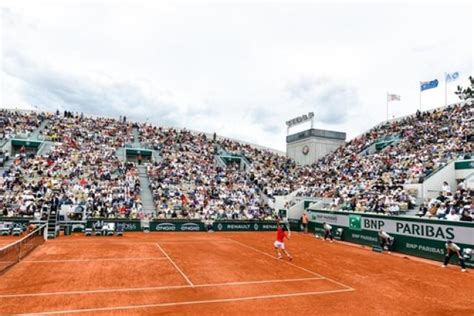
425,85
452,76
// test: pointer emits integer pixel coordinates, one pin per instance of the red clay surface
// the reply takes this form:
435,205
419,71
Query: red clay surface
6,240
226,274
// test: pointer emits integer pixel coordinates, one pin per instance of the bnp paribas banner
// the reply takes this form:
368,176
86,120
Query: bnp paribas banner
429,229
419,237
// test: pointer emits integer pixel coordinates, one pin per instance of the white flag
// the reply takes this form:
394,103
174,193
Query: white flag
393,97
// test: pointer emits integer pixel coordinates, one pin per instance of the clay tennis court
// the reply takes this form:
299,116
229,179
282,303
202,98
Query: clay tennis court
226,273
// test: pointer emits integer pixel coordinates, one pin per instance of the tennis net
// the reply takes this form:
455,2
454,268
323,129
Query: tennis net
13,253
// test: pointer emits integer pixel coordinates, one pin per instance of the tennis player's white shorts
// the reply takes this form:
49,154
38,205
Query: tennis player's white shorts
279,244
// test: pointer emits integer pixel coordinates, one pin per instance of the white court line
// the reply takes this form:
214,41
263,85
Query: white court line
224,300
157,288
94,259
100,242
292,264
192,241
176,266
138,242
171,287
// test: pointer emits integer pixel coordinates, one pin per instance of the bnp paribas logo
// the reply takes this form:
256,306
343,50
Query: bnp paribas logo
355,222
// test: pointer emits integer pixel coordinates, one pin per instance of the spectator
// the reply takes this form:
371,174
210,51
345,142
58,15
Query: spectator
445,187
452,216
422,210
442,211
466,216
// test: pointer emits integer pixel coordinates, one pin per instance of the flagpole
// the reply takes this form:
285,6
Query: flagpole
420,96
445,90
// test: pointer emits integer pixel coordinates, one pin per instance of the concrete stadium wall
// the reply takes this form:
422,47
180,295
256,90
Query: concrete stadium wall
470,181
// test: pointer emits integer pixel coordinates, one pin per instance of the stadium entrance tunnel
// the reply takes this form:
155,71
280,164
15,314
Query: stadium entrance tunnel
238,159
138,154
25,146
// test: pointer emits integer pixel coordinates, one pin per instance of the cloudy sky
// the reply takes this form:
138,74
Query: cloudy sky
240,69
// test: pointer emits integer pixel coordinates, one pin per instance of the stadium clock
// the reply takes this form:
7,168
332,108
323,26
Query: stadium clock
305,150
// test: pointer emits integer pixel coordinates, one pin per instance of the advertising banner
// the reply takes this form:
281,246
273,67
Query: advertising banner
244,226
176,226
418,237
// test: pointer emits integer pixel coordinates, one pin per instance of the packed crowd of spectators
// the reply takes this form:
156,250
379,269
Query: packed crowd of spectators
457,206
19,123
360,182
74,128
80,169
188,182
352,178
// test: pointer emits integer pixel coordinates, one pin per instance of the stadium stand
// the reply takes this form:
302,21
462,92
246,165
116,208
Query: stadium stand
374,182
202,177
187,183
80,169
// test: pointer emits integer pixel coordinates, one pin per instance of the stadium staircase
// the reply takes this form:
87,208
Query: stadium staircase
3,142
6,165
5,145
136,138
145,192
219,161
120,153
45,148
146,195
156,156
35,133
53,227
265,199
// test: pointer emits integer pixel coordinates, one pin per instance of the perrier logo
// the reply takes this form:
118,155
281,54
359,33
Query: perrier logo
354,222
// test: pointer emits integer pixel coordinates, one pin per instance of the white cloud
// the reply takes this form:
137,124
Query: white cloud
332,101
231,68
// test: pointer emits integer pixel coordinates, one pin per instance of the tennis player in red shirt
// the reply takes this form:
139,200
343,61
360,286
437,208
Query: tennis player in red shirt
280,241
